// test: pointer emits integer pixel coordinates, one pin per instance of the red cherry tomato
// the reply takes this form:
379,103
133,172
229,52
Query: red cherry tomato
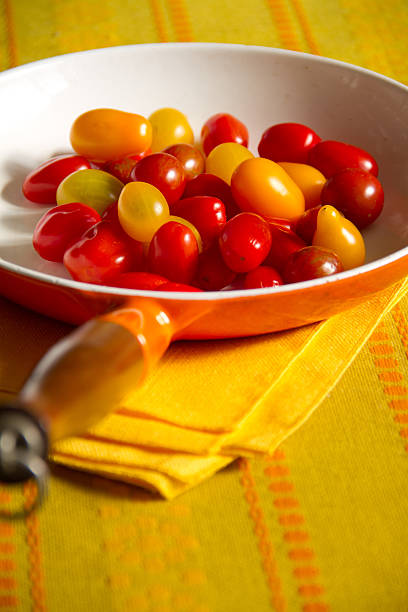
122,168
288,142
102,254
139,280
331,156
173,252
263,276
284,243
213,273
311,262
60,227
164,171
357,194
206,213
245,242
307,223
169,286
41,184
221,128
190,158
211,185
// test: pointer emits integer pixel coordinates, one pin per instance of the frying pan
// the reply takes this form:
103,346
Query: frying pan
123,332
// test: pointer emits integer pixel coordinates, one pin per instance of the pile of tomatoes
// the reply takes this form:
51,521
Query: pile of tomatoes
140,205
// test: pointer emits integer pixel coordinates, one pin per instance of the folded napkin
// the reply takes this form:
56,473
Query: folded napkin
207,402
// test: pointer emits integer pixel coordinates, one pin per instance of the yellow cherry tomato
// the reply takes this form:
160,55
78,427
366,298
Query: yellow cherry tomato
170,126
309,180
103,134
96,188
191,227
335,232
142,209
261,186
225,158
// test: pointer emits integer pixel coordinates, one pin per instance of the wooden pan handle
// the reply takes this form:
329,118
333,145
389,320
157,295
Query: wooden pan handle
82,378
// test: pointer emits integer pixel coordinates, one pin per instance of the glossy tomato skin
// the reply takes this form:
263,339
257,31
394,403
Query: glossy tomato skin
206,213
311,262
245,242
306,224
190,158
40,185
121,168
139,280
211,185
60,227
284,243
102,254
164,172
288,142
173,253
263,276
221,128
331,156
213,273
357,194
170,286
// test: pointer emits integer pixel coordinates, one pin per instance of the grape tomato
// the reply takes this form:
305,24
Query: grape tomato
173,252
245,242
170,126
311,262
190,158
164,171
288,142
225,158
95,188
220,128
331,156
142,209
206,213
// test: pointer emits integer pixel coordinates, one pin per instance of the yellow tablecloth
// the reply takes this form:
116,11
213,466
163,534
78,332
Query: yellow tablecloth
320,524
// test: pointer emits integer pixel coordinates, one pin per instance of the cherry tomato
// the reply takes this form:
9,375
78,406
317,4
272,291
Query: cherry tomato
309,180
288,142
357,194
284,243
60,227
190,158
94,188
306,224
102,254
206,213
121,168
192,227
311,262
213,273
173,253
142,209
139,280
262,276
261,186
224,158
102,134
169,286
245,242
220,128
335,232
164,171
210,185
170,126
331,156
41,184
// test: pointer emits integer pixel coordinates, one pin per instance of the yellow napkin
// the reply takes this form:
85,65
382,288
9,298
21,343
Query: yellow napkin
207,402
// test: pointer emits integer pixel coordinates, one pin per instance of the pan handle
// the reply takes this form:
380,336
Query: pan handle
79,381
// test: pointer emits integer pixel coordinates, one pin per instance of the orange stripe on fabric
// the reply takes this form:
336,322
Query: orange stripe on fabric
11,37
8,601
389,370
35,568
315,607
159,21
301,15
279,473
284,25
261,530
7,583
181,20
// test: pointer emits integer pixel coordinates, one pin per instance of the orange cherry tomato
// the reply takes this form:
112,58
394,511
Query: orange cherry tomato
225,158
309,180
335,232
103,134
261,186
